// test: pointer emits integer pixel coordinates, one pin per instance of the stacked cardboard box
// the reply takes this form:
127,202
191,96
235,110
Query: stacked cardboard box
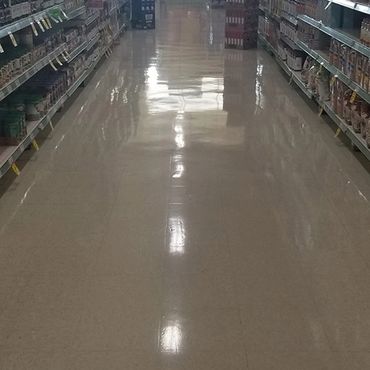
241,22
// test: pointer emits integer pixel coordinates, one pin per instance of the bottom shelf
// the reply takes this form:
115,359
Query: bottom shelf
355,138
294,76
9,154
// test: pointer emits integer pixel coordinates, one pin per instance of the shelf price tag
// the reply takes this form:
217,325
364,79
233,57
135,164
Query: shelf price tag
48,22
51,125
46,26
58,61
64,57
54,19
1,49
320,69
40,25
34,29
353,97
12,38
337,132
332,81
16,169
52,65
35,145
321,111
64,14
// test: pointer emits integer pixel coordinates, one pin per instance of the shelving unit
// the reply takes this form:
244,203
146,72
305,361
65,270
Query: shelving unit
338,35
293,75
97,42
322,59
360,7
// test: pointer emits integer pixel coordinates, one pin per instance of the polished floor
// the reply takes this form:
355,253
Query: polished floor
190,211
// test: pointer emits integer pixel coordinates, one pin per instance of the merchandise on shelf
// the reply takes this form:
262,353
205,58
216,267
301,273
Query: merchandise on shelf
365,31
73,37
288,30
353,64
316,9
290,7
73,4
143,14
352,109
312,37
241,23
15,61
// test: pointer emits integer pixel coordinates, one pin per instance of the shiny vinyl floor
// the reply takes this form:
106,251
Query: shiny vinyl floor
190,211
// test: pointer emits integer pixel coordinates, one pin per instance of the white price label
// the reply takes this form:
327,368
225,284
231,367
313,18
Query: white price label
1,49
48,22
34,29
12,38
46,26
64,57
58,60
52,65
40,25
64,14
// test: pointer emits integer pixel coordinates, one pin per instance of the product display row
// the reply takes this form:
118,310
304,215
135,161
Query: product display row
323,47
40,71
241,22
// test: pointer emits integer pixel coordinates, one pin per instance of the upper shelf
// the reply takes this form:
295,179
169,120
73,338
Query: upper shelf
289,18
322,60
344,38
21,23
363,8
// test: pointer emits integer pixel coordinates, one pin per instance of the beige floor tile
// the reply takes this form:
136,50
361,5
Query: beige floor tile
310,360
201,330
200,291
189,211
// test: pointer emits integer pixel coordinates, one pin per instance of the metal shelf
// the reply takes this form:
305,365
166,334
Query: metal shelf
347,130
269,14
77,51
26,75
350,41
335,71
92,18
353,136
10,154
22,23
289,18
289,42
294,76
297,80
76,12
116,35
113,10
92,42
359,7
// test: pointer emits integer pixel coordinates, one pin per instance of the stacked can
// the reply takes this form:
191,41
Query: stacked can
241,23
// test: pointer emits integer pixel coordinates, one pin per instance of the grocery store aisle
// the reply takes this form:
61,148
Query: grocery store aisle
190,211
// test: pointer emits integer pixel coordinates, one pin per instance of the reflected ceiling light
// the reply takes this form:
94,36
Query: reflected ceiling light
180,142
152,76
177,235
179,171
171,338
